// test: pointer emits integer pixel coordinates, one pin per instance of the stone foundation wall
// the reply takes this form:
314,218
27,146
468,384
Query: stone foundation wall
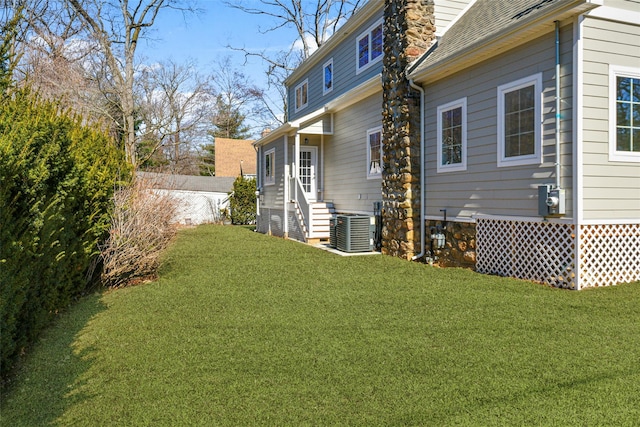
460,244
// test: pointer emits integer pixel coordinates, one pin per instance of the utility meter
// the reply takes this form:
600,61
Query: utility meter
550,200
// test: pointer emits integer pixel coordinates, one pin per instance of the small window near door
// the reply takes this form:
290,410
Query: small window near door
374,153
269,167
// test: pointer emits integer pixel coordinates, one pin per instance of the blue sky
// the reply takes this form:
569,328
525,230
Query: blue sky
204,37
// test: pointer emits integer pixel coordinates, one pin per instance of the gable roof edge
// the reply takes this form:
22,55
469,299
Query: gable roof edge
508,37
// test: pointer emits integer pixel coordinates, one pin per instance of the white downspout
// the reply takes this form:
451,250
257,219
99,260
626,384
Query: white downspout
258,182
321,168
285,199
422,171
558,105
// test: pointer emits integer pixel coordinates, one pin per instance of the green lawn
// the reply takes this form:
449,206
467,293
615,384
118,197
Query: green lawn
245,329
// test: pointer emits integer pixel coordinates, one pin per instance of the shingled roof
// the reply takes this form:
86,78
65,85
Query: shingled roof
215,184
489,27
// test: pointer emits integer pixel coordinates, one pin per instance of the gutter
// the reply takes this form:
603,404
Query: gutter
422,171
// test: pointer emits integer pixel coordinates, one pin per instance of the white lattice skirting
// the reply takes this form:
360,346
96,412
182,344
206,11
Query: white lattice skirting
548,252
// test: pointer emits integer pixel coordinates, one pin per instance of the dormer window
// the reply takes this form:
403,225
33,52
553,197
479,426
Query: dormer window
369,47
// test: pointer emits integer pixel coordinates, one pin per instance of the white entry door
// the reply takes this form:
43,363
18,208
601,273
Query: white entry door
307,171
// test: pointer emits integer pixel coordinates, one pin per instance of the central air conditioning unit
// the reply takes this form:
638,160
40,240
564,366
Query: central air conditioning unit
354,233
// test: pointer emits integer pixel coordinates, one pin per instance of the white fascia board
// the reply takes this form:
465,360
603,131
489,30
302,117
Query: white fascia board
357,94
289,127
273,135
304,119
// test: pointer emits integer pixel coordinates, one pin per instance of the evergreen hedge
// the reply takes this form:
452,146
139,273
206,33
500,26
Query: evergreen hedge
57,179
242,201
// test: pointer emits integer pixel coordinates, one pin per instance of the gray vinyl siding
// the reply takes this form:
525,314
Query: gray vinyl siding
344,73
345,158
484,188
611,190
273,194
446,11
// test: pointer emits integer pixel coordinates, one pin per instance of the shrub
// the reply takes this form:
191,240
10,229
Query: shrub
57,181
142,227
242,201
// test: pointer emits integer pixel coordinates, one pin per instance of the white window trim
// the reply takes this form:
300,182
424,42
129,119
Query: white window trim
333,77
614,72
462,166
270,180
530,159
370,132
371,62
295,95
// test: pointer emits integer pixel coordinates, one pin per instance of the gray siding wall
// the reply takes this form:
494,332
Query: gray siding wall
273,194
623,4
484,188
611,190
344,73
446,11
346,183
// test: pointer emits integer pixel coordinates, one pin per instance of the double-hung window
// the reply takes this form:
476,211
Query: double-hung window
452,136
520,122
369,47
624,116
327,77
269,167
374,153
302,95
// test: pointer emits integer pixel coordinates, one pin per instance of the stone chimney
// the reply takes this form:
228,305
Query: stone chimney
409,29
265,132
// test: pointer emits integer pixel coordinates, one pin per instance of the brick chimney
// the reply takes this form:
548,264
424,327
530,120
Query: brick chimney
409,29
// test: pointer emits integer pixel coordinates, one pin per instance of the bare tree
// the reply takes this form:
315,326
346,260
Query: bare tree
175,104
235,100
117,26
313,21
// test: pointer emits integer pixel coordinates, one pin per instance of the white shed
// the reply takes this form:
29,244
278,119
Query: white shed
201,199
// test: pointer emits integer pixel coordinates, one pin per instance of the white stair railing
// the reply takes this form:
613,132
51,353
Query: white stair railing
303,204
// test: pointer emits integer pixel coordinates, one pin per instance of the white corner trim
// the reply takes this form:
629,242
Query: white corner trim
578,125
